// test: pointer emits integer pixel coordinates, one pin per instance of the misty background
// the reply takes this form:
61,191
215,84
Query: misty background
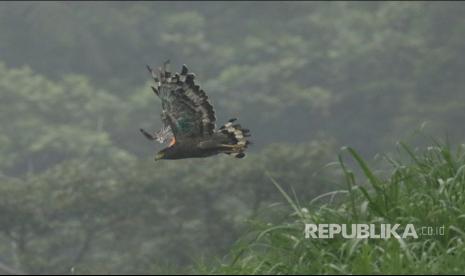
79,190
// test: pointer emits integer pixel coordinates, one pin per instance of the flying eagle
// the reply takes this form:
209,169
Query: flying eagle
189,120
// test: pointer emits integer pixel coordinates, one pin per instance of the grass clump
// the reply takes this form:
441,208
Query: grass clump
425,189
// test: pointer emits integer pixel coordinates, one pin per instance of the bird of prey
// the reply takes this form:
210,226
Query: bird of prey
189,120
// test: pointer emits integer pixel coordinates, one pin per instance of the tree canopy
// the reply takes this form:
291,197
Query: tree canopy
79,191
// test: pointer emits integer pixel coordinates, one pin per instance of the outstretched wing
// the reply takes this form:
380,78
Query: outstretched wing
186,108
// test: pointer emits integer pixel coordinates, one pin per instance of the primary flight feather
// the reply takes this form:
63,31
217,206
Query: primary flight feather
189,120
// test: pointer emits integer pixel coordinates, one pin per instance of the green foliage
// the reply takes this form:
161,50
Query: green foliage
69,215
73,197
378,64
426,191
80,193
45,122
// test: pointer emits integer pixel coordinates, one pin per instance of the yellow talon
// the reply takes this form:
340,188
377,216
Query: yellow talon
172,142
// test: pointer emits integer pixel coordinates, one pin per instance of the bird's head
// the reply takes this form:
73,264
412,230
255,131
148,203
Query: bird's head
160,155
166,153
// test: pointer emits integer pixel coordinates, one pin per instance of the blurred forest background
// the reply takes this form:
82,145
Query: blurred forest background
80,192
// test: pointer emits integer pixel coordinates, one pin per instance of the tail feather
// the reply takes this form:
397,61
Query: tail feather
237,139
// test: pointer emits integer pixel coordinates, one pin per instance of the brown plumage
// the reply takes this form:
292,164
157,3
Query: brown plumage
189,120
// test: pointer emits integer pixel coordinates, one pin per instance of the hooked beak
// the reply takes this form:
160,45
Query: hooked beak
159,156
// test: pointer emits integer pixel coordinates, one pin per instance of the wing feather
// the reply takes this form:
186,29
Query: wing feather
186,108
